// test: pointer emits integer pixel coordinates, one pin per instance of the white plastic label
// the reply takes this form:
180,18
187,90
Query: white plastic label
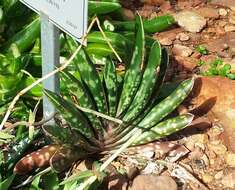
69,15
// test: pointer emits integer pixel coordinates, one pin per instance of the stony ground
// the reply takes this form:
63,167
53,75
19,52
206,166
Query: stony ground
202,156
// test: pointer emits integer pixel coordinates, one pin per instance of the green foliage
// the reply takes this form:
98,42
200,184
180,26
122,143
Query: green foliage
135,107
202,50
84,133
219,68
4,185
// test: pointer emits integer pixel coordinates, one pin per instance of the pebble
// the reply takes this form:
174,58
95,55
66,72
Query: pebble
232,19
219,149
200,138
128,14
219,175
215,131
190,21
166,41
230,159
222,12
153,182
182,37
208,12
222,23
186,63
153,2
207,178
229,28
225,3
180,50
206,159
229,180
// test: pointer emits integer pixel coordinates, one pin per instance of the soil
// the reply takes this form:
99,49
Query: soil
202,156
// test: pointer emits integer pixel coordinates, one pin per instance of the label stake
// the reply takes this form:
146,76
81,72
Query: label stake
50,60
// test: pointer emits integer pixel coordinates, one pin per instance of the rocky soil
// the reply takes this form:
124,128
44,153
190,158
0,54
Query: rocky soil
203,155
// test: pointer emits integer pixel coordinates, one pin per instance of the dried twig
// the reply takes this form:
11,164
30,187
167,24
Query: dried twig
31,178
22,92
27,124
87,110
108,42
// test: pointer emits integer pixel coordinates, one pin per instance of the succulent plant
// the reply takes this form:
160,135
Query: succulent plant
123,108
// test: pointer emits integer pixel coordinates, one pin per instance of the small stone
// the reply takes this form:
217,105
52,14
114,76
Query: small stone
181,50
219,175
230,159
211,154
196,153
190,21
153,2
229,28
205,159
128,14
207,178
152,182
215,131
166,41
182,37
222,23
200,138
186,63
219,149
222,12
232,19
224,3
166,6
216,142
167,37
229,180
117,181
212,161
208,12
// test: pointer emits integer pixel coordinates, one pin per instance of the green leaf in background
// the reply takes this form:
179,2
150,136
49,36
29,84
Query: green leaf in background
4,185
5,136
51,181
78,177
35,183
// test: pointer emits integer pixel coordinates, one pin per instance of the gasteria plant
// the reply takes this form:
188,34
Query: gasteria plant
123,109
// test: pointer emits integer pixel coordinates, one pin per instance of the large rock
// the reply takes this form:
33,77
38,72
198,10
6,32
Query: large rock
190,21
222,43
217,95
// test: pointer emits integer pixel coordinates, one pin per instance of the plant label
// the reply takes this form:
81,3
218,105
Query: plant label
68,15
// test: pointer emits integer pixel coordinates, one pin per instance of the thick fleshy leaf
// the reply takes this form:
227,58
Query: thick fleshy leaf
164,129
110,78
166,106
158,112
134,73
147,84
77,89
91,78
36,159
124,129
63,136
72,115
